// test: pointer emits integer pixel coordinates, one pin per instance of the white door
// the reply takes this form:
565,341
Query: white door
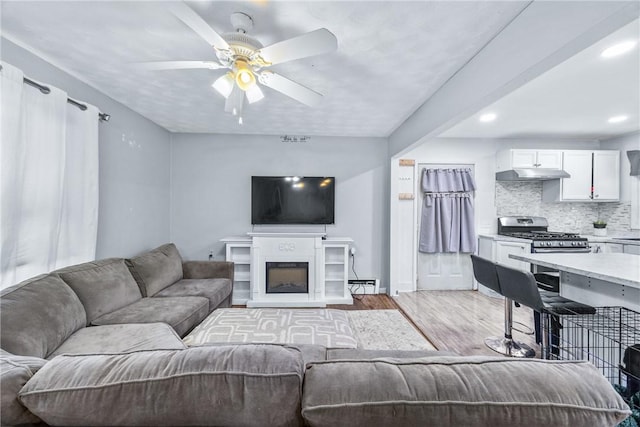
606,175
578,164
450,271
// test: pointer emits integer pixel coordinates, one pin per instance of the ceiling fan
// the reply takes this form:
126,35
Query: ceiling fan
247,60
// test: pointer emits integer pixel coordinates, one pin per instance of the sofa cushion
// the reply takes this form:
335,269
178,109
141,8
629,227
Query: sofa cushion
121,339
215,290
103,286
465,391
38,315
156,269
362,354
15,371
182,313
207,270
251,385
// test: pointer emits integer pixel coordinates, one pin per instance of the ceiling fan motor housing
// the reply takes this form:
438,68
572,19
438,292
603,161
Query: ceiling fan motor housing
241,45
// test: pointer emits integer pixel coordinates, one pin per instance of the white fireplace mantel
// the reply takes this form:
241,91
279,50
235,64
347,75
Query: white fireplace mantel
327,260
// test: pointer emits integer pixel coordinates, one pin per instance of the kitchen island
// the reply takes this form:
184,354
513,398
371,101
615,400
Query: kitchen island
599,280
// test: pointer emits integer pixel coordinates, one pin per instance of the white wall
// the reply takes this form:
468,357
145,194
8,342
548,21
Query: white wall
211,190
134,163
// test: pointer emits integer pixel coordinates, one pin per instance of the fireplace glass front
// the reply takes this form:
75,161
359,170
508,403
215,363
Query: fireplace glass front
287,277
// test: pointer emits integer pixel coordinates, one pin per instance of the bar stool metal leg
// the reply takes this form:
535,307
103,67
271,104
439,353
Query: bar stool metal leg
507,345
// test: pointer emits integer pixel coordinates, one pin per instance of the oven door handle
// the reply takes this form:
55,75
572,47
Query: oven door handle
558,251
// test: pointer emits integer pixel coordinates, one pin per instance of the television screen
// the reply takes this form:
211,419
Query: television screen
292,200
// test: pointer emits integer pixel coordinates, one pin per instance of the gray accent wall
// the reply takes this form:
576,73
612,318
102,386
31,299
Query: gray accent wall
211,190
134,163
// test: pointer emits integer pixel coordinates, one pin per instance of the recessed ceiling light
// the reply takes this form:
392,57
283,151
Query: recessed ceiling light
487,117
617,119
618,49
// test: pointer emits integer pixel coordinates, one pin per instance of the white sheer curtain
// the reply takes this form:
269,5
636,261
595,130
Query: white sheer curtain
48,179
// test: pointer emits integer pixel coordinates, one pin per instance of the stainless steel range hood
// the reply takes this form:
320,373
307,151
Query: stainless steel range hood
531,174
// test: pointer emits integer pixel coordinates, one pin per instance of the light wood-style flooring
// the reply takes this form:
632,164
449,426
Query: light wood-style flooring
459,321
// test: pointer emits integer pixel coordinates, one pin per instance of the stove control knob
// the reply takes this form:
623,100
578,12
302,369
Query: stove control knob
574,243
561,243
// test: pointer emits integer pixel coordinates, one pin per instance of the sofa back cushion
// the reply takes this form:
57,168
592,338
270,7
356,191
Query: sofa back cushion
156,269
459,391
246,385
38,315
103,286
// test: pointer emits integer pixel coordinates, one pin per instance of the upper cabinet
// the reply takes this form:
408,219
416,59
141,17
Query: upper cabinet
595,176
518,159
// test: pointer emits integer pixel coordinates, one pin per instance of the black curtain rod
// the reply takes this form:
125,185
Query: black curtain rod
104,117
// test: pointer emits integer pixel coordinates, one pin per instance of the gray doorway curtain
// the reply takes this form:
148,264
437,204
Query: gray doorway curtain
447,223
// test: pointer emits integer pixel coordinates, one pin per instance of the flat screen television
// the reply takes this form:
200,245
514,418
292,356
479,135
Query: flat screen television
292,200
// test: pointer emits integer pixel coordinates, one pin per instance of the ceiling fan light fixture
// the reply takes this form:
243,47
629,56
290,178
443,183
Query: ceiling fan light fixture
244,75
224,85
254,94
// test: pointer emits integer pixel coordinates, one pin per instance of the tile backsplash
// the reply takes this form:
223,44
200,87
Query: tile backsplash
525,198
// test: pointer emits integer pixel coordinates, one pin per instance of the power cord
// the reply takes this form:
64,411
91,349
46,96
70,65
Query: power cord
359,286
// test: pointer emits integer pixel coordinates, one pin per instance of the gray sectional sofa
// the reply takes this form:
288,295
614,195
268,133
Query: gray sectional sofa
100,344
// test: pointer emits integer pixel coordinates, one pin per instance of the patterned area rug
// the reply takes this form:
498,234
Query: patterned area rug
366,329
386,330
329,328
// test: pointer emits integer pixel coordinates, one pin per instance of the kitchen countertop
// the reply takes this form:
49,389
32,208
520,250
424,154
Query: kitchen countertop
614,238
501,238
622,269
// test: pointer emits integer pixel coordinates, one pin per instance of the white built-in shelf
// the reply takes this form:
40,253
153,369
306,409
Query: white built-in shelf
333,267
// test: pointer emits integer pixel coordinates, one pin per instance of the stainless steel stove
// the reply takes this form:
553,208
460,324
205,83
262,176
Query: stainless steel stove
534,228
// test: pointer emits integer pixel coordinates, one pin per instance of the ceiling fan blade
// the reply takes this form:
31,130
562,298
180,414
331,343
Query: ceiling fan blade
235,101
177,65
309,44
199,25
290,88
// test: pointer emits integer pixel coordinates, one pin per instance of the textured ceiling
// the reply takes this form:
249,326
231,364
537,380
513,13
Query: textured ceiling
391,57
575,99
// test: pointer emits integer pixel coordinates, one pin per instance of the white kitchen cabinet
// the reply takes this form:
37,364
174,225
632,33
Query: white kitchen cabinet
631,249
595,176
504,249
616,248
606,175
525,158
499,251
